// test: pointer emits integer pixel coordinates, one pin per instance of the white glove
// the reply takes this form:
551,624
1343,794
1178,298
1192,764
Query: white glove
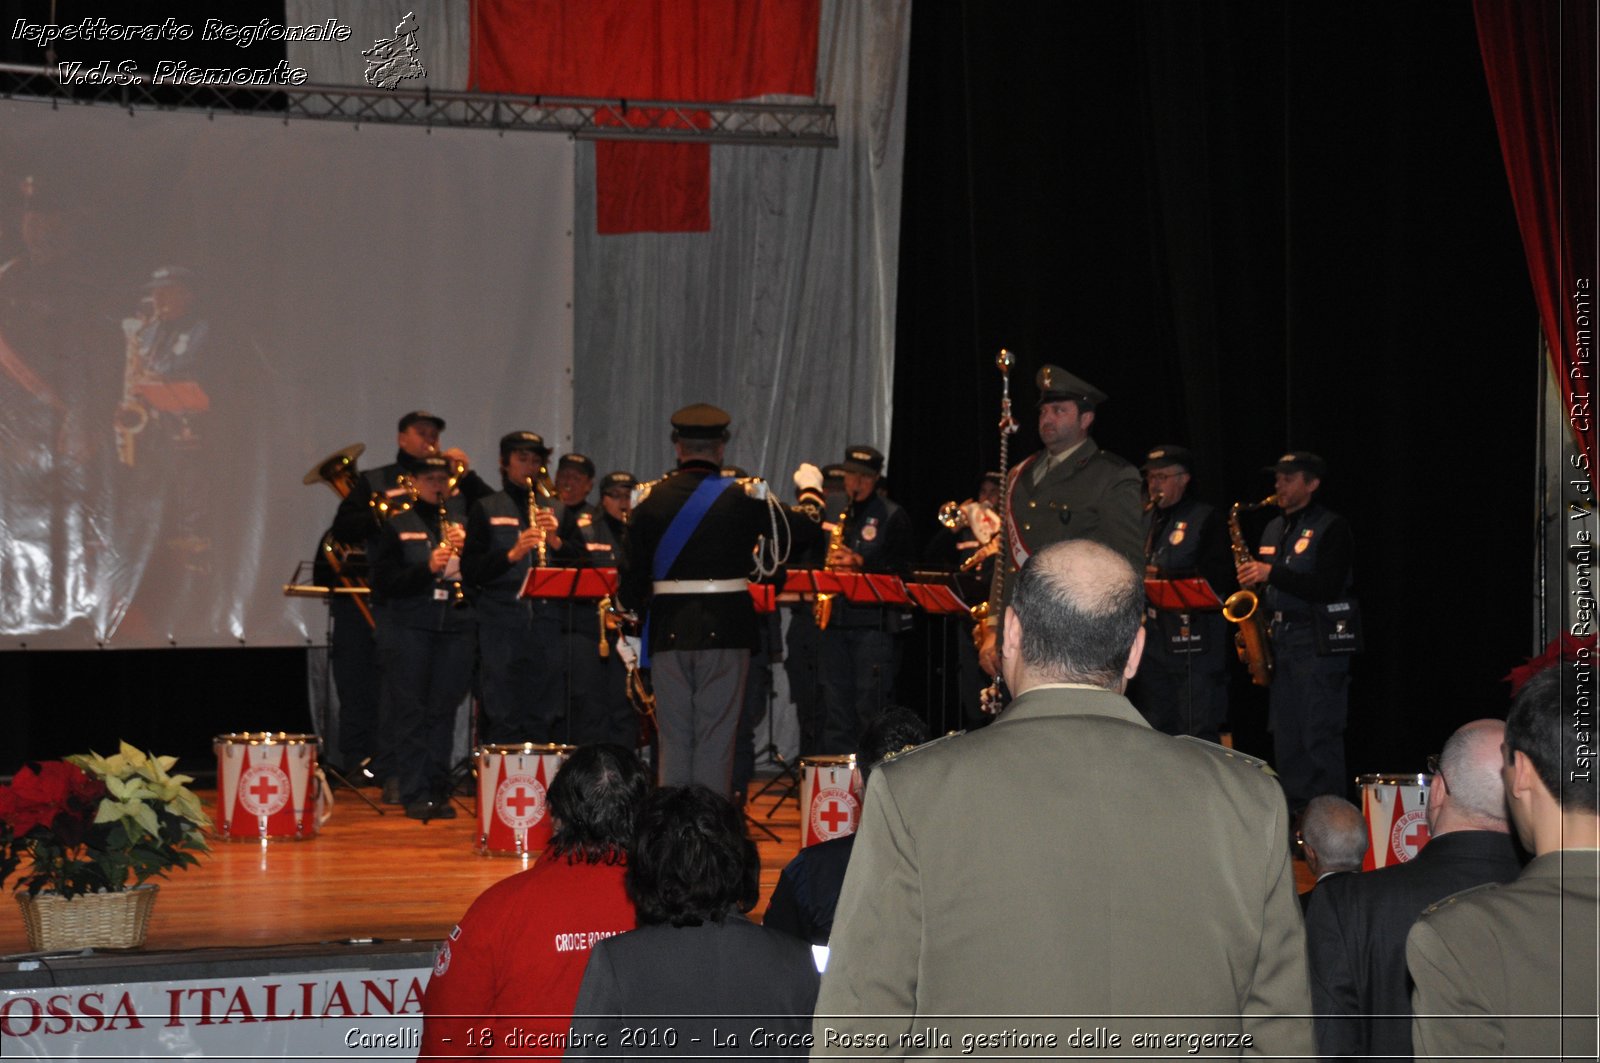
808,476
628,650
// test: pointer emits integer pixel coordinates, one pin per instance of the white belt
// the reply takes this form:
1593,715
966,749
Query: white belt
701,586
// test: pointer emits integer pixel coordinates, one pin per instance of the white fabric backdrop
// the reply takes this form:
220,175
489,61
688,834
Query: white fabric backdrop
342,277
783,313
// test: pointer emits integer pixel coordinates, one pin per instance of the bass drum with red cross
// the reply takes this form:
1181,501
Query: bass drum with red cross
268,788
513,806
1396,811
830,798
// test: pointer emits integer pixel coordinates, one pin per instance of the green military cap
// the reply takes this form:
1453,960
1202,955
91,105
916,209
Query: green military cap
1058,385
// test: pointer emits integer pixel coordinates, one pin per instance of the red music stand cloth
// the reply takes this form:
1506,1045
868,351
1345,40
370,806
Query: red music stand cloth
1182,595
592,583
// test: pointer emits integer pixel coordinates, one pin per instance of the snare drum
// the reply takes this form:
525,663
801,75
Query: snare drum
1395,807
267,786
513,812
830,798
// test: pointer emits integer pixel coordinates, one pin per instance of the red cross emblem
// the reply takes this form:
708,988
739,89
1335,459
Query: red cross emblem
834,813
263,790
519,801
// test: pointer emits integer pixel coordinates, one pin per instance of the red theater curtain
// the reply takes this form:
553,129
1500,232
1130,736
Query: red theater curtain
1539,57
684,50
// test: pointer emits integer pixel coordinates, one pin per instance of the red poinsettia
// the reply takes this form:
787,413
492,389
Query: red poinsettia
1565,648
55,795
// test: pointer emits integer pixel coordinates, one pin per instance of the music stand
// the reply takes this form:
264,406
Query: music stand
1192,595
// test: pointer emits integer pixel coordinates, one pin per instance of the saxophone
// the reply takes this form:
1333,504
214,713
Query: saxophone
822,607
1243,606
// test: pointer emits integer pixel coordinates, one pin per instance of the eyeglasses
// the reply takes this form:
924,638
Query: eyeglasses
1433,769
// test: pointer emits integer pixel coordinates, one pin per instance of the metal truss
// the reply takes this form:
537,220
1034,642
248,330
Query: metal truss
771,124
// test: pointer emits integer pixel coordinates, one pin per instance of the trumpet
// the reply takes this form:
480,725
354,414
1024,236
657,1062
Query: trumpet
1243,606
822,608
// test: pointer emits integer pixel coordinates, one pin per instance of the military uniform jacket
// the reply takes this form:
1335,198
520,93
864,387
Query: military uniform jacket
492,530
1091,495
409,594
719,549
1310,553
1052,864
880,531
1527,948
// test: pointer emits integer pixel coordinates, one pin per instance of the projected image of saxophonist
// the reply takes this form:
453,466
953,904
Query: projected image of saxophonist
425,636
1304,565
860,645
519,639
165,348
1182,685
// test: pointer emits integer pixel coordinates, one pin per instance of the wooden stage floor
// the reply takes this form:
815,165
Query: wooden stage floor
369,876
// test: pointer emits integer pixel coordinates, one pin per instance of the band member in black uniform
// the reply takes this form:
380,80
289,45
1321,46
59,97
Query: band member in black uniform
861,643
425,635
598,709
803,642
1182,685
519,639
693,540
574,478
1306,555
363,739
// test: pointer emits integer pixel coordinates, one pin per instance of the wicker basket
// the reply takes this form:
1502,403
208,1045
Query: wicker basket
91,920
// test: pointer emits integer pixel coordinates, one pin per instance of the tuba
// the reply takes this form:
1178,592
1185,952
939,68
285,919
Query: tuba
338,470
1243,606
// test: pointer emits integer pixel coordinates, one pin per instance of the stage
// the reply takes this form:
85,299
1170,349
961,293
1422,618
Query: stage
366,876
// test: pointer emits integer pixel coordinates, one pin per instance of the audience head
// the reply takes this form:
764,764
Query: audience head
1467,792
892,732
594,803
691,860
1549,764
1075,618
1335,835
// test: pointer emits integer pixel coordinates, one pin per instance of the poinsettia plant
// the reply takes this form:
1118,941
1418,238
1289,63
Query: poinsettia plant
91,823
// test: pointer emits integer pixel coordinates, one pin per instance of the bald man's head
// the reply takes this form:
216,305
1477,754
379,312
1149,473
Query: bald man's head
1473,796
1079,605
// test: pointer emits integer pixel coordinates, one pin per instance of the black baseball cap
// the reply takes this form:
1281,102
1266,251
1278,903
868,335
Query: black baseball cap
420,415
1300,461
532,441
580,462
863,460
1166,455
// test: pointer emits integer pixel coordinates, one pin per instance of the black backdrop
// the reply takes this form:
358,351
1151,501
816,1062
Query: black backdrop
1255,225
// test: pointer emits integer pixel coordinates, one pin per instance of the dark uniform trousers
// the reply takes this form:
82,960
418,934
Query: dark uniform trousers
1309,700
426,647
353,656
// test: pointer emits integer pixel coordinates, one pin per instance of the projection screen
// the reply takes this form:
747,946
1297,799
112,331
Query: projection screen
195,310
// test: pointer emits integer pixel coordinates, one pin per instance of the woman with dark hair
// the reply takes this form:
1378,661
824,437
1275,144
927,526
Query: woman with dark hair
697,978
505,981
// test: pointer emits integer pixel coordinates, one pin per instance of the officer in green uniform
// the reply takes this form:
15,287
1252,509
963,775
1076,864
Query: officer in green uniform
1508,972
1069,490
